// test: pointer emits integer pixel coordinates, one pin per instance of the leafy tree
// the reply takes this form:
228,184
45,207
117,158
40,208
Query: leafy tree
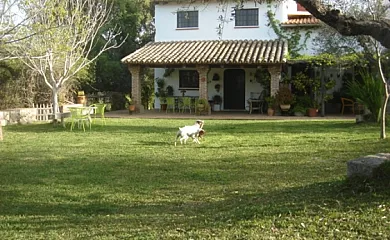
135,19
12,22
368,20
68,30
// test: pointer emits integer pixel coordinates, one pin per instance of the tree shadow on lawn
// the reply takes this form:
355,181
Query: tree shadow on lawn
305,202
318,199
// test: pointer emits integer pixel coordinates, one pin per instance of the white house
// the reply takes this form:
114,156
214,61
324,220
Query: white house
216,48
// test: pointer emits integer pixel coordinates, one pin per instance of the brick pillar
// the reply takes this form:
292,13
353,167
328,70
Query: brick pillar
203,70
276,76
135,71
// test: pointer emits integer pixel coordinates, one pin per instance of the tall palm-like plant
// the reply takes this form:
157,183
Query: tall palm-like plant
368,92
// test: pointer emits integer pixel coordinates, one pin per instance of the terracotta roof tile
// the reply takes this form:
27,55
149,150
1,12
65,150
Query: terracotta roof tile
301,21
210,52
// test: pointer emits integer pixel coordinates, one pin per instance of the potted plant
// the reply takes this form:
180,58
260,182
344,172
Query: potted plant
299,110
170,91
271,101
81,98
217,101
161,93
217,87
129,103
311,87
202,106
284,98
313,109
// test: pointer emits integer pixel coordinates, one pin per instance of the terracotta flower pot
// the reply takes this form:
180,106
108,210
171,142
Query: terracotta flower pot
81,99
312,112
131,108
270,112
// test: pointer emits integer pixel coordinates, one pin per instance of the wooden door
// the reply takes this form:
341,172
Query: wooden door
234,89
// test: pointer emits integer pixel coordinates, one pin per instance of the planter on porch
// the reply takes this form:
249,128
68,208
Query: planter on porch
284,107
312,112
270,112
163,106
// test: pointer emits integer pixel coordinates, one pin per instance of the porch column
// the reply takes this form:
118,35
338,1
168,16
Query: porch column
203,71
135,71
276,76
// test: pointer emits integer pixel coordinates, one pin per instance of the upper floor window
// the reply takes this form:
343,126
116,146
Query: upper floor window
188,79
247,17
187,19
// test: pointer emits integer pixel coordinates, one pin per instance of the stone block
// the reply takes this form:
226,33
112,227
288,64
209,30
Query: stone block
364,166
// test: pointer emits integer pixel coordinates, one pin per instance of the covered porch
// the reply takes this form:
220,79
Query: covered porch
231,64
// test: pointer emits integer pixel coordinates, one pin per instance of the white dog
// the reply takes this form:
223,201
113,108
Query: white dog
194,131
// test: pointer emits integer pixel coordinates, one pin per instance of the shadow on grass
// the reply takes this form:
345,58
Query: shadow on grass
317,199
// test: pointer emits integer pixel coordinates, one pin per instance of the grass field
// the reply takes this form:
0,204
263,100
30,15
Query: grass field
247,180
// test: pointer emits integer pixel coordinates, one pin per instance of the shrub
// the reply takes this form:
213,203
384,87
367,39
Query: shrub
118,101
369,92
284,96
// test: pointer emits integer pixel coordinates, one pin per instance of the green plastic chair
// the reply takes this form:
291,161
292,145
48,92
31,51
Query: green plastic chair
170,104
80,116
99,111
186,104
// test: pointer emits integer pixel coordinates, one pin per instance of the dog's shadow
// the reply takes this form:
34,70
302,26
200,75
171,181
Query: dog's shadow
155,143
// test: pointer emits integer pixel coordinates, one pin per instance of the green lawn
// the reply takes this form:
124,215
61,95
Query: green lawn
247,180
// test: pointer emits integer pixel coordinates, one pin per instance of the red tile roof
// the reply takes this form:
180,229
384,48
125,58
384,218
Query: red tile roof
210,52
301,21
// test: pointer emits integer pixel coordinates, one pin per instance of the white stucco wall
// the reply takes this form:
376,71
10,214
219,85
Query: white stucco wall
166,22
166,30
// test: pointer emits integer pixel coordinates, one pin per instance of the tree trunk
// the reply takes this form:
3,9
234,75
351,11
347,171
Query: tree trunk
383,117
55,104
323,92
385,99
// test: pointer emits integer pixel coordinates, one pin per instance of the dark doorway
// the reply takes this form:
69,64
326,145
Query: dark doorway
234,89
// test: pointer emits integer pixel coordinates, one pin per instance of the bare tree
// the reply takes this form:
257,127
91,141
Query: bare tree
13,24
68,31
12,21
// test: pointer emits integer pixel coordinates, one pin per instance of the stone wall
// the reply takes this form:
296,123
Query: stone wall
18,116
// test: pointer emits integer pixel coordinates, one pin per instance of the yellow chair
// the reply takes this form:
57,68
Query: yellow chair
170,104
79,116
186,104
196,101
99,111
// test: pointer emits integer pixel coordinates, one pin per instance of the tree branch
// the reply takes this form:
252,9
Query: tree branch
348,26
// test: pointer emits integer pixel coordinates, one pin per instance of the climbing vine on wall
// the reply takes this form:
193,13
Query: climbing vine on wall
328,59
293,37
